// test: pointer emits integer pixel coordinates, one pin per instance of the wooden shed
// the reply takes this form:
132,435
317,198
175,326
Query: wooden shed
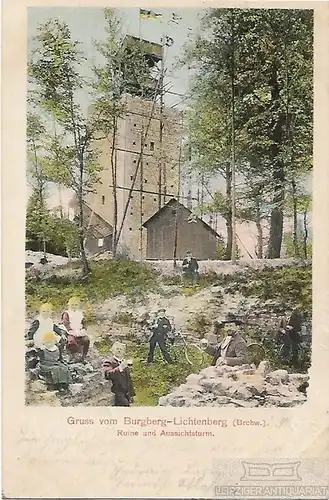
174,222
98,232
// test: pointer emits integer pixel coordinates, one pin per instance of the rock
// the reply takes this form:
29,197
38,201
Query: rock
38,386
76,389
242,393
300,381
245,404
278,377
264,368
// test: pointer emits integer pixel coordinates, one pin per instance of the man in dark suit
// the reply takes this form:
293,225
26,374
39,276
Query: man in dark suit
159,335
190,268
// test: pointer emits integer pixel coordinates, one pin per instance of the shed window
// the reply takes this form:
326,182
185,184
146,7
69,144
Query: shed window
152,146
103,200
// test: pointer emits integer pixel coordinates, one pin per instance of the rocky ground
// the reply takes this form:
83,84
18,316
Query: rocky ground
193,312
244,386
89,388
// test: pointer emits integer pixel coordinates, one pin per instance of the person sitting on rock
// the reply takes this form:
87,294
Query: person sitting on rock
52,366
74,322
232,350
190,268
116,369
160,330
42,324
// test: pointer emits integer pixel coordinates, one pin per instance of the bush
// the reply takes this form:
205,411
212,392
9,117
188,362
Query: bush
107,279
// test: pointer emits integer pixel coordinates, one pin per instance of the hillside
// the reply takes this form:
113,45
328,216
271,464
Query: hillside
118,293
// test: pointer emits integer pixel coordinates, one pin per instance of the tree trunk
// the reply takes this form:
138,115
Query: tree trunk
305,236
259,251
84,260
295,219
276,228
228,217
114,188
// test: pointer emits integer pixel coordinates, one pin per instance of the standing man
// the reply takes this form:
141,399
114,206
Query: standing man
160,330
190,268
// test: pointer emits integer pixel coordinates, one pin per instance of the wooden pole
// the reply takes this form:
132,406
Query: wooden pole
233,251
161,176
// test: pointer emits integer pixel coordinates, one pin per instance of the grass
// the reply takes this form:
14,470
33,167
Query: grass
107,279
159,378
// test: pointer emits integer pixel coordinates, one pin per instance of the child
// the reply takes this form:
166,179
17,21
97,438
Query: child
74,322
51,363
42,324
116,370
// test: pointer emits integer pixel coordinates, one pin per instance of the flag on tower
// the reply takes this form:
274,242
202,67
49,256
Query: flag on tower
148,14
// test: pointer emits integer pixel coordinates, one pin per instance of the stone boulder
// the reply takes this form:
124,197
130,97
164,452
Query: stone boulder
239,387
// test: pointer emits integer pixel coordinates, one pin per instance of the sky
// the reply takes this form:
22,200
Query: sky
87,24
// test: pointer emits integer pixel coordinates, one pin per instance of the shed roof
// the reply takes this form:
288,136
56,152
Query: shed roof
173,202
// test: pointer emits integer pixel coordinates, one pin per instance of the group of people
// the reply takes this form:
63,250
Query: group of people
51,340
59,345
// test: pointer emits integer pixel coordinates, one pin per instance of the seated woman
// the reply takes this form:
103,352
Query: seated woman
52,366
42,324
116,369
74,322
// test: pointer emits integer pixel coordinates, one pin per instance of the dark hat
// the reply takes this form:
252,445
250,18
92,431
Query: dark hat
231,318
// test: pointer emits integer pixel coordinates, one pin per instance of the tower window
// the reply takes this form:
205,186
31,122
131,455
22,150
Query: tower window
146,145
103,200
134,124
130,229
143,197
154,199
134,161
131,177
152,146
145,180
131,213
134,143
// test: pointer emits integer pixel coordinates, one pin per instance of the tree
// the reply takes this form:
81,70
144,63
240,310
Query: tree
54,72
272,97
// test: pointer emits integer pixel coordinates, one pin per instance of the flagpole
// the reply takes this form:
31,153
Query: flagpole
139,25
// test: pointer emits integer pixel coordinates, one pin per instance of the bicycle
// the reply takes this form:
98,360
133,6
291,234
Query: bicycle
283,351
179,348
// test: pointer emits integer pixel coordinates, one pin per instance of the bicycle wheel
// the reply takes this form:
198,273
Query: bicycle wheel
194,355
256,353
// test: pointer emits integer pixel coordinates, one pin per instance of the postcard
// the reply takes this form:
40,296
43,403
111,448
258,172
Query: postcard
165,185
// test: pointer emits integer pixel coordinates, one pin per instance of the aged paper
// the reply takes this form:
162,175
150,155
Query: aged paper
80,452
